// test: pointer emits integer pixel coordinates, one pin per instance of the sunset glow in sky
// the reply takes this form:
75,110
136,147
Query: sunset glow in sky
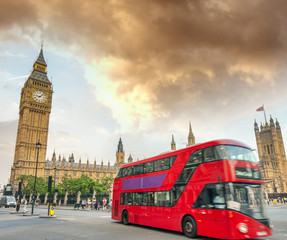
141,70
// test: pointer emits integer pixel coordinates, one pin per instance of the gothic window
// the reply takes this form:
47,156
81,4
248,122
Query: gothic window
268,149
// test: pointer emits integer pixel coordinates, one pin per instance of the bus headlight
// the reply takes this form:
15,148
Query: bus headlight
242,227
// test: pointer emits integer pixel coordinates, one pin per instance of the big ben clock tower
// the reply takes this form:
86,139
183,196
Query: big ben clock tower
34,114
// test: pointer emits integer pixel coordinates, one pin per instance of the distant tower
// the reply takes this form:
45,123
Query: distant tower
173,146
190,138
120,155
272,156
130,159
34,115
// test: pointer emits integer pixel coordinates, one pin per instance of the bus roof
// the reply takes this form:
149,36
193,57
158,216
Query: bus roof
195,147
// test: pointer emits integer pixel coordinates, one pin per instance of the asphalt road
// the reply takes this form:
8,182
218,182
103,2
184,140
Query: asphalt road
82,224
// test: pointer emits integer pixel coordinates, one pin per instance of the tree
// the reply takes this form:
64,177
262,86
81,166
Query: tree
83,184
107,183
28,184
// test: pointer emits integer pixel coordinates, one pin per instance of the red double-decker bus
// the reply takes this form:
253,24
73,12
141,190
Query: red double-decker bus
212,189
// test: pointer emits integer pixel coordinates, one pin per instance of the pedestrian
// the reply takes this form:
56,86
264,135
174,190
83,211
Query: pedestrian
89,203
59,203
98,205
25,202
94,203
104,204
84,203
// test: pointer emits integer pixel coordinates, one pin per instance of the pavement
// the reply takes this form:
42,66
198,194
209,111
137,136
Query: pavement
281,205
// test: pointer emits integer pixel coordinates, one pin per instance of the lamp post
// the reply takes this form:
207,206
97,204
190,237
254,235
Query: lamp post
38,146
55,169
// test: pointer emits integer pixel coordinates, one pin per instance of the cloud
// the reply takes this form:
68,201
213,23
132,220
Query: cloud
156,61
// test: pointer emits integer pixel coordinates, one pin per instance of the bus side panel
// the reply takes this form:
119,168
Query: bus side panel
212,223
159,217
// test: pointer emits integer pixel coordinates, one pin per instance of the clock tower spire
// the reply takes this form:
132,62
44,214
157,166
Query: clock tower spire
34,114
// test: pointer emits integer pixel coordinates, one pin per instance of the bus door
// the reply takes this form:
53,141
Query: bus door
212,216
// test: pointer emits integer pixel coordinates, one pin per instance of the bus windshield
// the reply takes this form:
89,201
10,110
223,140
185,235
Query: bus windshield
236,153
246,198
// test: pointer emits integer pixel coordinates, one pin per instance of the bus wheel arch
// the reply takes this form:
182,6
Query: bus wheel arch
189,226
125,217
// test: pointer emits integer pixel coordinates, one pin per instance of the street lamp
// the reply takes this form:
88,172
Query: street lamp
38,146
55,169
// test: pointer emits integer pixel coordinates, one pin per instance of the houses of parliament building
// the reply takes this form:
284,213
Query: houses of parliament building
34,114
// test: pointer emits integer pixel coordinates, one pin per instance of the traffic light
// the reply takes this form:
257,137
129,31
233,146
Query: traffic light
20,188
50,183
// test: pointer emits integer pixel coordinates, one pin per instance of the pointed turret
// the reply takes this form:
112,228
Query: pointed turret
130,159
54,158
95,164
120,155
256,129
120,146
71,158
173,146
39,71
277,125
41,59
190,138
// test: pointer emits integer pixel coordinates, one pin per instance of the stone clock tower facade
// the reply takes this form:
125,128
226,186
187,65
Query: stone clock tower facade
34,114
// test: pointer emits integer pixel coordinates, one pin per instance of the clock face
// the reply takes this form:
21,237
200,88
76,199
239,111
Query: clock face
39,96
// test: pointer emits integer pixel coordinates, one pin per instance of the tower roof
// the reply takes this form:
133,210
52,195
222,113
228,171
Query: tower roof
120,146
41,59
190,138
39,72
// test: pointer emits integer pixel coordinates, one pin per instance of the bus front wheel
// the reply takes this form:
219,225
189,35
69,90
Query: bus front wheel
189,227
125,217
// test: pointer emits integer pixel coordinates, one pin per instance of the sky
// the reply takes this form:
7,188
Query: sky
142,70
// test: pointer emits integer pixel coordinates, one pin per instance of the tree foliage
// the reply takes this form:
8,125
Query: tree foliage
107,183
28,182
85,184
